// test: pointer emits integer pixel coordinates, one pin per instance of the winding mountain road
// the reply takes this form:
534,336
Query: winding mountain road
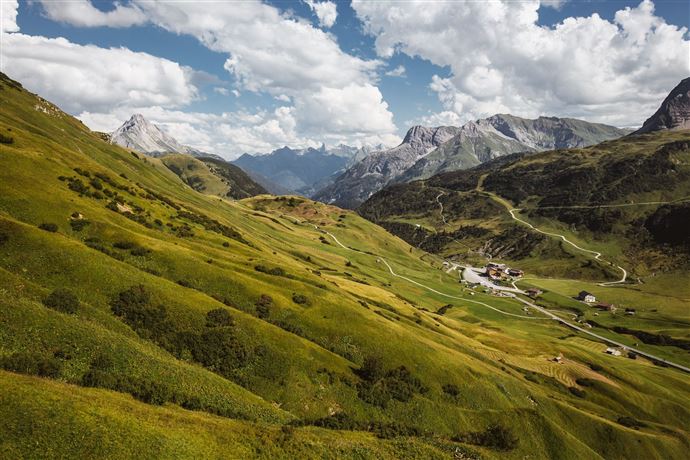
597,255
549,315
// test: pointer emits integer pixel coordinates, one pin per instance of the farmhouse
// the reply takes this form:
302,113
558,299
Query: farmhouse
533,292
613,351
586,297
606,306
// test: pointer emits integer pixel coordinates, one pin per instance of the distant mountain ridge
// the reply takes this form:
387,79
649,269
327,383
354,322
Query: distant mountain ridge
428,151
483,140
302,171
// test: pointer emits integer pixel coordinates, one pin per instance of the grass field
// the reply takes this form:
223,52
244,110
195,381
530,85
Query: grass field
325,353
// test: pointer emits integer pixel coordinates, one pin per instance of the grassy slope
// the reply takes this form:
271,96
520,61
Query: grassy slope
300,376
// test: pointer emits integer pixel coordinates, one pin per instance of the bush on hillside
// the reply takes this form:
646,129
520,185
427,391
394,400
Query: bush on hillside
63,300
495,437
134,307
631,422
379,387
451,390
4,238
585,382
79,225
31,364
6,139
577,392
275,271
219,317
48,227
299,299
263,306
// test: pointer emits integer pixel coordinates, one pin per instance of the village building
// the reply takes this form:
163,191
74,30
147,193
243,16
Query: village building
533,292
606,306
515,273
613,351
586,297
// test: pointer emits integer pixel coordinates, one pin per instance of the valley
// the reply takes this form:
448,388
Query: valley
136,305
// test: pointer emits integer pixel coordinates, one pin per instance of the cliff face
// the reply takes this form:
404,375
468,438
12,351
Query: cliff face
674,112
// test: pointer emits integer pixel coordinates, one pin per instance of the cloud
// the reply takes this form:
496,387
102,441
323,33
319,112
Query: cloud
87,77
501,60
555,4
83,14
326,12
8,16
222,91
397,72
276,54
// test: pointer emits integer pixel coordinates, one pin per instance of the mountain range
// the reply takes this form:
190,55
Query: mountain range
590,191
302,171
428,151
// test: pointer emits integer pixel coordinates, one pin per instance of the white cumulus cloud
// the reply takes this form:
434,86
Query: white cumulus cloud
8,16
397,72
502,60
326,12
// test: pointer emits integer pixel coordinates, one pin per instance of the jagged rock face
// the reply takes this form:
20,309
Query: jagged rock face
674,112
429,151
483,140
369,175
137,133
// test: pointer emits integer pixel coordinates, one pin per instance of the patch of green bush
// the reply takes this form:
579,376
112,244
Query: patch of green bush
31,364
577,392
380,386
48,227
631,422
219,317
63,300
495,437
299,299
6,139
451,390
263,306
79,224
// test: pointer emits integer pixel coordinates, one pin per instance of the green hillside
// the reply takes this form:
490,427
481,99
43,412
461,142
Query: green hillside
141,318
212,176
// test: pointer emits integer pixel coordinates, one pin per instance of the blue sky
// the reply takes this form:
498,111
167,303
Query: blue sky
435,63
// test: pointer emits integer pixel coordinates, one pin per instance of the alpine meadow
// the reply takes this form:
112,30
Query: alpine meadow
361,229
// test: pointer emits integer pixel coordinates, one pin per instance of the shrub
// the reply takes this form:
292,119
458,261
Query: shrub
151,392
263,306
6,139
299,299
442,311
124,245
226,244
134,307
96,183
451,390
275,271
79,225
32,364
495,437
139,251
219,317
220,350
577,392
372,369
631,422
63,300
49,227
4,238
595,367
584,382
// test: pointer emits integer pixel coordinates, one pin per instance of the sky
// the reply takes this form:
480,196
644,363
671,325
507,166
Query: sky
230,77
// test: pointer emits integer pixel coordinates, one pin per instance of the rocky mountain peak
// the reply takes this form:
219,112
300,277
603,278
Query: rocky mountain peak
423,138
139,134
674,112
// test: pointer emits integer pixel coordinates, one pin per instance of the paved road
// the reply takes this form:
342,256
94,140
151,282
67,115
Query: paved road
602,338
597,255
